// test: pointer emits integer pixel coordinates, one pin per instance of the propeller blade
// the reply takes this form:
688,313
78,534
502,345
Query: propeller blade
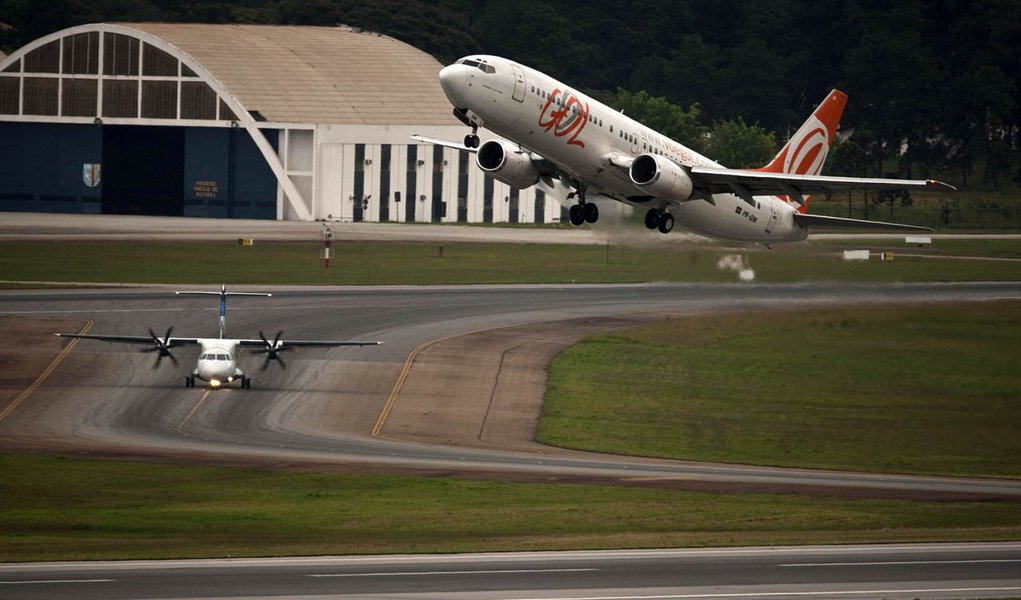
283,365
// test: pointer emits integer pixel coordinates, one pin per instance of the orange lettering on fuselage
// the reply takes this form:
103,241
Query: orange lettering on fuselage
557,120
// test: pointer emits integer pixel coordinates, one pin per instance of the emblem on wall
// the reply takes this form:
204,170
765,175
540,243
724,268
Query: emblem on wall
91,173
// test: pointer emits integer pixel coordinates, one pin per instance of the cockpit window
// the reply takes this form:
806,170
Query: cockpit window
484,67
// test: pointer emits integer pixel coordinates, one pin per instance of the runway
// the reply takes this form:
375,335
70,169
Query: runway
817,572
105,399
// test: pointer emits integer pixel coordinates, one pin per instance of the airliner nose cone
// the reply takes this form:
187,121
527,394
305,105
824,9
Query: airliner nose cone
452,81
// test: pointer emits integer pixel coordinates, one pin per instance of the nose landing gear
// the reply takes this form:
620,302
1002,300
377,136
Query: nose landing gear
471,120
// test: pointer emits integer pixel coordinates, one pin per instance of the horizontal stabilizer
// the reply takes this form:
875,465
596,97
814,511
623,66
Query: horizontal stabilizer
808,220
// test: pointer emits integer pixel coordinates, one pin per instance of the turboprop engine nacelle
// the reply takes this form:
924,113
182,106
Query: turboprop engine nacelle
504,162
661,177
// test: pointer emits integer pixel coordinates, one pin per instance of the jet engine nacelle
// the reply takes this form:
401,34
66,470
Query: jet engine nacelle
502,161
661,177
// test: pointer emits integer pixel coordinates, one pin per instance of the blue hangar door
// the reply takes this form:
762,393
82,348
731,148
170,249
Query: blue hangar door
143,170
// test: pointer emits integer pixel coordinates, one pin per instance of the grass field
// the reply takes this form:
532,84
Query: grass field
891,389
912,389
55,508
395,263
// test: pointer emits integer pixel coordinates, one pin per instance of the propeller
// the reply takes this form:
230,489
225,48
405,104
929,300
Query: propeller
272,350
161,347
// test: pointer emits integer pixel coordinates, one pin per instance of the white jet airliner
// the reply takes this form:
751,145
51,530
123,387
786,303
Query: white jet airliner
218,361
553,134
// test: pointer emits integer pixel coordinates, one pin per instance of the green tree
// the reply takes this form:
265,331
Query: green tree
738,145
663,116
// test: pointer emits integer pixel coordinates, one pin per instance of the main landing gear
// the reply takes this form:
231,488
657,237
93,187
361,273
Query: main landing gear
659,219
582,212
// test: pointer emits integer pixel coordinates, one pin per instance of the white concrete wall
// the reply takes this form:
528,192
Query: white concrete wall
332,197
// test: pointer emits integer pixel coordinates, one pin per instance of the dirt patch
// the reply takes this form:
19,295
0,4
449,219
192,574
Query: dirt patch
486,389
29,347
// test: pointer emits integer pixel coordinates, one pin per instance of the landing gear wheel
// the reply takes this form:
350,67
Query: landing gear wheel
189,381
577,218
666,222
471,141
590,212
652,218
246,383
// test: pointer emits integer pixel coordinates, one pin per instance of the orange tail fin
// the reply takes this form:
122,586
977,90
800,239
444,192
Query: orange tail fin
806,151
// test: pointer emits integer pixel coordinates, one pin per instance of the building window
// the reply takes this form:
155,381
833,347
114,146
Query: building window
226,114
81,53
411,188
120,98
9,92
158,63
159,99
40,96
44,59
198,101
120,54
437,204
79,97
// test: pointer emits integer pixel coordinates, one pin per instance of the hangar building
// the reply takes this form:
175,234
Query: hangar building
245,121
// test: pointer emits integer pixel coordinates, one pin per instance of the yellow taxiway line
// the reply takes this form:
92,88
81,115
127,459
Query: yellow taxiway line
193,410
392,400
46,373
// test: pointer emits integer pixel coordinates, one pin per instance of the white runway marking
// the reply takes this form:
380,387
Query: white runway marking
905,562
44,581
423,573
783,594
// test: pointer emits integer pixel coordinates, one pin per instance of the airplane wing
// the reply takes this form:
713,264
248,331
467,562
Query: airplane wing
308,343
131,339
746,183
445,143
548,170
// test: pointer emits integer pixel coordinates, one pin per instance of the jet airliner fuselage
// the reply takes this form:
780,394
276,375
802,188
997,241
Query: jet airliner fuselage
558,136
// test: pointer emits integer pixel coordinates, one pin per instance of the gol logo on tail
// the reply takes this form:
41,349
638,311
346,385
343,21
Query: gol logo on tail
566,120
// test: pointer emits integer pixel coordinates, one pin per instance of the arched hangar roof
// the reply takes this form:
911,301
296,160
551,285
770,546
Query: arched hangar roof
287,74
316,74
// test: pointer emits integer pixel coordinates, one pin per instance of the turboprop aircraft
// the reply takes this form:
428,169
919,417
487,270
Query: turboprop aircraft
564,140
218,361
